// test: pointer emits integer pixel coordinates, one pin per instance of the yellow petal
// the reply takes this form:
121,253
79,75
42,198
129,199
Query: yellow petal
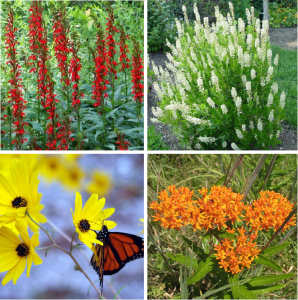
110,224
29,264
89,208
106,213
25,237
8,237
20,267
78,206
34,240
8,261
33,188
20,177
36,259
9,275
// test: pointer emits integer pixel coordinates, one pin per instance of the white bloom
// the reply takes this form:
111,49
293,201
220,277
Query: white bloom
198,146
205,139
243,77
282,102
239,134
157,112
232,50
277,133
243,127
253,74
246,59
269,55
234,146
224,109
248,86
257,43
276,59
263,82
249,40
200,82
271,136
251,125
234,92
210,102
224,144
153,120
270,100
260,125
274,88
238,102
271,116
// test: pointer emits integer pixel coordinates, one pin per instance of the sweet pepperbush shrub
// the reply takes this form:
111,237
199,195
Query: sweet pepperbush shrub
72,75
217,91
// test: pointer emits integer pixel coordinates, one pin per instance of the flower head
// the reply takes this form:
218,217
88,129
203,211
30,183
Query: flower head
19,193
101,183
91,218
15,252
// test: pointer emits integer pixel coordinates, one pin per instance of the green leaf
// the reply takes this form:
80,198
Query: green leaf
204,268
261,290
36,126
244,293
205,244
261,280
183,260
275,249
119,291
110,146
235,288
263,260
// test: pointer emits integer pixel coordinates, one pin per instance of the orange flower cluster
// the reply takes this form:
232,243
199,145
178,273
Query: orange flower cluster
269,211
235,258
212,211
172,211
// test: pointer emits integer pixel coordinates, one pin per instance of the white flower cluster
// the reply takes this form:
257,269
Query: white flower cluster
194,75
205,139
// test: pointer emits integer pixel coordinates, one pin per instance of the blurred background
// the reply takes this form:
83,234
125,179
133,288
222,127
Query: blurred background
118,178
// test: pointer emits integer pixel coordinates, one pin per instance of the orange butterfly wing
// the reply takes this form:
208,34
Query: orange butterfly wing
117,250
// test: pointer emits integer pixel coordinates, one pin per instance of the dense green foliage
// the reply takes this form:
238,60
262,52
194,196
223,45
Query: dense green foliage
120,114
155,141
282,16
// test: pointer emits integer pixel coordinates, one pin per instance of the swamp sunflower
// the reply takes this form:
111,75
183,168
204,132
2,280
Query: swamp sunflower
18,194
15,252
91,218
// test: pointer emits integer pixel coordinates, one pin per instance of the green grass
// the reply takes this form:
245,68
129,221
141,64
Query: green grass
286,77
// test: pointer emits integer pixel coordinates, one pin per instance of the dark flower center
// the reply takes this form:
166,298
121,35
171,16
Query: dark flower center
53,165
84,225
19,202
23,250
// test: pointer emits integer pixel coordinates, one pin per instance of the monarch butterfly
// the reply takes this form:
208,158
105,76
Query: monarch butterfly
117,250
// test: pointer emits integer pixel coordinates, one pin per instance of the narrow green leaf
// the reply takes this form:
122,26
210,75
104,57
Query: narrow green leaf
261,280
275,249
261,290
119,291
221,180
235,288
263,260
244,293
182,260
204,268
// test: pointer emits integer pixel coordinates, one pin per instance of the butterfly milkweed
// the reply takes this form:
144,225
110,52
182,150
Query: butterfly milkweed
117,250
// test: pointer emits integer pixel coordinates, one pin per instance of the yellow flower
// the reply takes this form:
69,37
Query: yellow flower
91,218
19,193
71,177
100,184
50,166
15,252
72,157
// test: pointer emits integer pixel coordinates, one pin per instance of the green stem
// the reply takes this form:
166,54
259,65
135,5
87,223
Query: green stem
45,127
79,129
125,84
66,252
10,133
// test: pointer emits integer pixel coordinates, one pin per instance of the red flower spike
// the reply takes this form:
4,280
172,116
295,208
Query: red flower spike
122,144
137,74
15,95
